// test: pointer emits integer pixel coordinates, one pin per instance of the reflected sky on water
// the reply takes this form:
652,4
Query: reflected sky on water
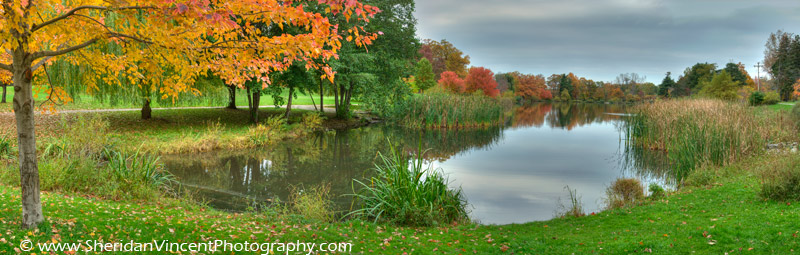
511,174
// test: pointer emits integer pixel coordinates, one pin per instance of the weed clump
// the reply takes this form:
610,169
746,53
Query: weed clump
656,191
795,114
574,208
404,192
5,148
265,134
782,182
624,192
313,203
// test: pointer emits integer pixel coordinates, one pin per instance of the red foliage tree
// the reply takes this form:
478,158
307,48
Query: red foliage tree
452,82
480,78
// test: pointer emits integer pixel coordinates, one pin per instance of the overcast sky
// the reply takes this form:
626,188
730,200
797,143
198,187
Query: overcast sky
600,39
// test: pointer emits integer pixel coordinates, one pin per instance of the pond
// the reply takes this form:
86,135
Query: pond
511,174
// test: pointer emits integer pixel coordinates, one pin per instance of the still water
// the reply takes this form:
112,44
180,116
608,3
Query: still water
511,174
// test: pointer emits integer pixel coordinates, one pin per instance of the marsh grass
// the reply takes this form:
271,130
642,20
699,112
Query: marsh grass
694,133
782,182
573,207
443,110
405,192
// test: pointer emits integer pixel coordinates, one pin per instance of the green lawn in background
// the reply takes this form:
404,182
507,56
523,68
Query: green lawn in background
87,102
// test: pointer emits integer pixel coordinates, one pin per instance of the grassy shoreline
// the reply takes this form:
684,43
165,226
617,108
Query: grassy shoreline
723,216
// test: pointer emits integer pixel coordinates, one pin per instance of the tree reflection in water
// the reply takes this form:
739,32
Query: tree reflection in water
234,180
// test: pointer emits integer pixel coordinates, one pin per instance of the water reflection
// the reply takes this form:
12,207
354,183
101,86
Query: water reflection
514,173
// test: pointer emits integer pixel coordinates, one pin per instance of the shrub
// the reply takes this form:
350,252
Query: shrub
313,203
771,98
406,193
312,121
782,182
656,191
624,192
574,208
266,134
756,98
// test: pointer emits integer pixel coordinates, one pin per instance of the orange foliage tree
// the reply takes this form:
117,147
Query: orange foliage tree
482,79
186,37
452,82
530,86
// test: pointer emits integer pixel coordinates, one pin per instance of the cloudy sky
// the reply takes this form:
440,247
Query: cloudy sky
600,39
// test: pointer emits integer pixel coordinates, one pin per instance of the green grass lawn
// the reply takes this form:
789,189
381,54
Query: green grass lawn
725,217
782,106
87,102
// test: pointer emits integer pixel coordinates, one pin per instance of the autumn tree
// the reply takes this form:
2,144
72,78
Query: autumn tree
424,76
532,87
444,56
188,38
481,79
5,81
452,82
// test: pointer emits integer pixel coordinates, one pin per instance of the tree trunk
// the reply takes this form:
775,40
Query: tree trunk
26,137
336,99
231,97
321,97
289,103
249,100
146,110
4,94
312,100
256,96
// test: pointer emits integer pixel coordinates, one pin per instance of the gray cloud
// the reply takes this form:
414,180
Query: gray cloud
600,39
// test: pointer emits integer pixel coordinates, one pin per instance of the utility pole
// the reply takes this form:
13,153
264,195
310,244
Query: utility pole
758,78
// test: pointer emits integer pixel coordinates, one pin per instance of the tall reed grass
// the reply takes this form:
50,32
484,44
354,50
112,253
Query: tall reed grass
444,110
701,132
405,192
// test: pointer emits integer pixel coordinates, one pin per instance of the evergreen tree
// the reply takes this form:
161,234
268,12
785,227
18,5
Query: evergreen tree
666,85
736,74
566,85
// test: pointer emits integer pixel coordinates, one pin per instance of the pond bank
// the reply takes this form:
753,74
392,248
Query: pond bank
726,216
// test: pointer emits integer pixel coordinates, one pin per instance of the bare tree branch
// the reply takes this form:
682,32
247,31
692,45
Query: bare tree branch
5,66
63,51
40,63
85,44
